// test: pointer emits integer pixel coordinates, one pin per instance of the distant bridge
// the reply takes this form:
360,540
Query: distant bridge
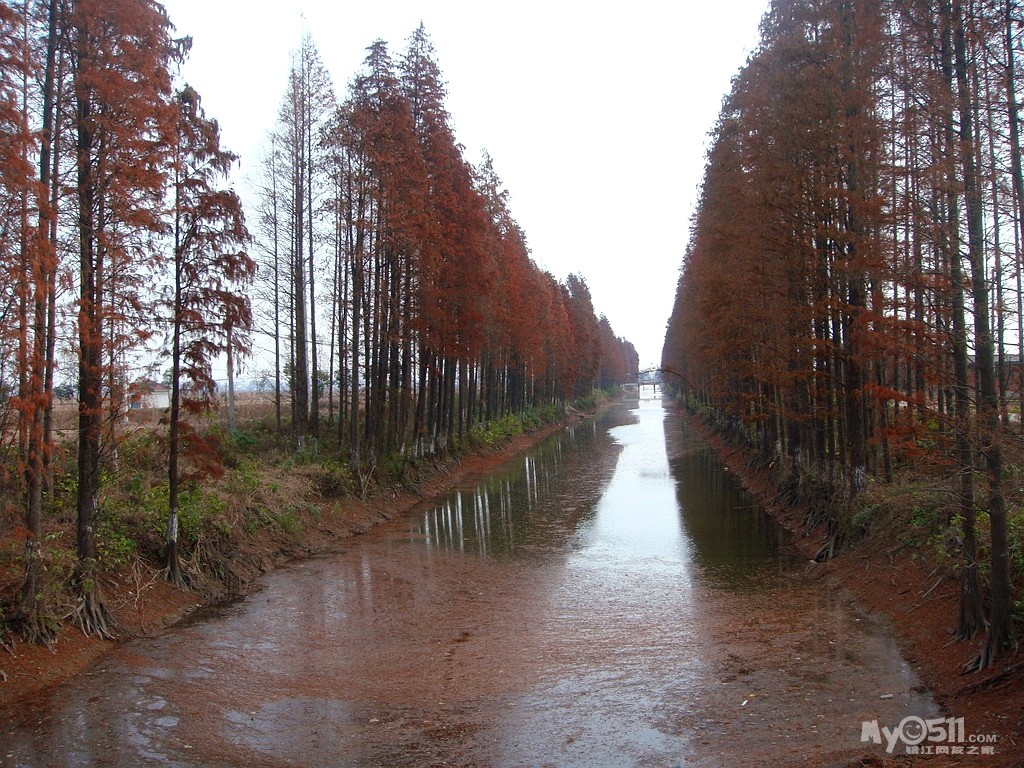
649,377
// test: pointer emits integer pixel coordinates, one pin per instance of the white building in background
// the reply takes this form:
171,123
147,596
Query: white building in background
146,393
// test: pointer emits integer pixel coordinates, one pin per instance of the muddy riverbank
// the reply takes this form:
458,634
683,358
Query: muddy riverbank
921,607
606,599
143,604
452,689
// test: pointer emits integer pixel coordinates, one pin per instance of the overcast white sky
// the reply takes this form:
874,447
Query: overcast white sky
596,115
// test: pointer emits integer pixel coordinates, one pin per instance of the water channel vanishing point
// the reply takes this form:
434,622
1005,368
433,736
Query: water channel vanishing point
609,599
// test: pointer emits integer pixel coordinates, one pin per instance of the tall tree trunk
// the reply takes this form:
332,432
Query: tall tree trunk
300,372
91,614
357,301
998,310
37,404
1016,177
971,615
230,351
314,405
1000,630
173,571
331,345
276,226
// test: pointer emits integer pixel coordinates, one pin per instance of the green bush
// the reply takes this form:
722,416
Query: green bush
497,430
860,523
243,440
245,479
143,451
197,512
137,522
925,525
288,521
585,403
114,543
925,518
308,455
65,495
333,480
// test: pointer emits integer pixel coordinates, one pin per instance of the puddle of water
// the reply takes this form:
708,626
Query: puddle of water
610,599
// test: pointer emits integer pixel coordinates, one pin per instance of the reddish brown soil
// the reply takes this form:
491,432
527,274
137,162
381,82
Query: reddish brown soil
892,585
922,608
142,603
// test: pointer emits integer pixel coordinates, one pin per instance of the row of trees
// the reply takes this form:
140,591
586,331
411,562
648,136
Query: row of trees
851,293
392,273
115,240
398,291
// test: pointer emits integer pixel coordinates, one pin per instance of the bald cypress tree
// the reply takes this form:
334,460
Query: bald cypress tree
121,52
209,309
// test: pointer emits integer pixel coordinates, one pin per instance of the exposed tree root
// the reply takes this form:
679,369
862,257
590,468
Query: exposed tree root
1008,676
979,662
832,544
826,551
962,636
990,650
91,614
34,618
38,629
178,577
33,623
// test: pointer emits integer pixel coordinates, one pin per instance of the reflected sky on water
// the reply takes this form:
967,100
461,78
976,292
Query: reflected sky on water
611,598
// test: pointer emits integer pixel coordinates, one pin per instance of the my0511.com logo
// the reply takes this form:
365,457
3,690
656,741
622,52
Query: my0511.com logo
932,736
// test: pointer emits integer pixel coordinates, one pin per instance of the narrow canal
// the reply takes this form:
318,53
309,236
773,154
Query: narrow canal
609,599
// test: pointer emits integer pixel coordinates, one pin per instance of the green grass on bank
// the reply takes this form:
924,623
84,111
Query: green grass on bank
258,493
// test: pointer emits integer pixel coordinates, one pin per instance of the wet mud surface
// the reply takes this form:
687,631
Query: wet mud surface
610,599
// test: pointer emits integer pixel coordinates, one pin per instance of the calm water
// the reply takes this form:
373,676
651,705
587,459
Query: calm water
609,599
629,488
